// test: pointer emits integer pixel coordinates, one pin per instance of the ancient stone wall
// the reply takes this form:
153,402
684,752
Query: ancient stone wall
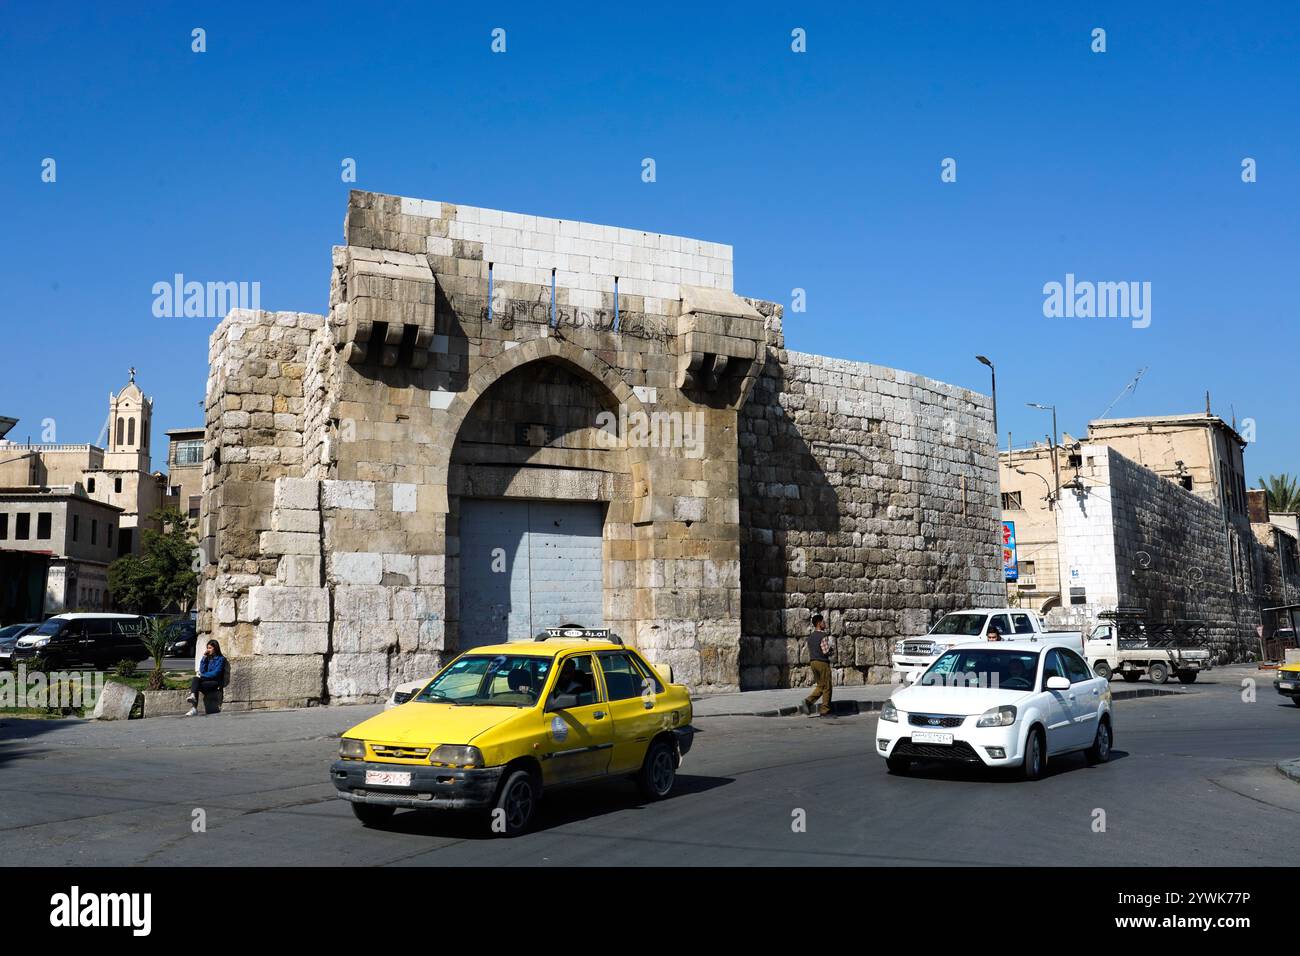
470,353
1177,558
866,493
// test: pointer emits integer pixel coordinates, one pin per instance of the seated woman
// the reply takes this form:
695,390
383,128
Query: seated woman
211,677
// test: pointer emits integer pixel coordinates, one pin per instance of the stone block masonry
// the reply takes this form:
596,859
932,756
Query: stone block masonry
483,436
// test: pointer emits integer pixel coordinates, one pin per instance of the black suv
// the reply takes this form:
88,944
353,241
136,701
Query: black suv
100,640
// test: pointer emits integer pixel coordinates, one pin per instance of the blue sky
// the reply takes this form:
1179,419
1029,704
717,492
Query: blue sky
822,169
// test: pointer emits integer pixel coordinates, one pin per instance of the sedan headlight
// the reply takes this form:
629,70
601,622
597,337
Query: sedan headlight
997,717
889,712
451,755
351,748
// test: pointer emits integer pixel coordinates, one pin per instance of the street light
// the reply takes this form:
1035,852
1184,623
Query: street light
1050,500
1056,468
992,372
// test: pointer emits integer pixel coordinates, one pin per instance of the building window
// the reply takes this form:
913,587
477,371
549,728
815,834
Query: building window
76,526
108,533
189,452
90,485
196,502
94,531
4,527
130,432
22,526
120,426
43,525
117,485
1011,501
1186,482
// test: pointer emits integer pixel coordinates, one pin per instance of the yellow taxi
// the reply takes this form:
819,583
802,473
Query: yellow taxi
1287,681
501,724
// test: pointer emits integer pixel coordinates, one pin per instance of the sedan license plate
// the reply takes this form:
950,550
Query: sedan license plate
930,737
388,778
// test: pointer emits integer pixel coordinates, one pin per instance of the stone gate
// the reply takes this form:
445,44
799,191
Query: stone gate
542,422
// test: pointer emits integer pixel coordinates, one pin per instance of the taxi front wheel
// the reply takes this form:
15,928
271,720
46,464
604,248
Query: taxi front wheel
516,804
658,770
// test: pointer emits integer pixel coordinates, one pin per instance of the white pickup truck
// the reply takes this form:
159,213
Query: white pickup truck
1107,657
914,655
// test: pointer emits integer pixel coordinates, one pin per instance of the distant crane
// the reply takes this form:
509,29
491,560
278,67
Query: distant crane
1130,387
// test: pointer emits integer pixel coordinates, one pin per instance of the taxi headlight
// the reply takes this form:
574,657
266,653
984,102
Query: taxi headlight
452,755
889,712
997,717
351,748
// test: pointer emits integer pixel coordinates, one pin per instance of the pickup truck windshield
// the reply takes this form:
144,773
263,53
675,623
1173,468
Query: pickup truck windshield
982,667
490,680
969,625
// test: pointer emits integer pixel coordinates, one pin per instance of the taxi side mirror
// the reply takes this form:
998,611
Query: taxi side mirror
561,702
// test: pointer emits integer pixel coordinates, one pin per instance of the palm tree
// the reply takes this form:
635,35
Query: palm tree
1283,492
155,639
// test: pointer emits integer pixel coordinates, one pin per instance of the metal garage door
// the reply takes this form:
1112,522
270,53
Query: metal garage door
526,565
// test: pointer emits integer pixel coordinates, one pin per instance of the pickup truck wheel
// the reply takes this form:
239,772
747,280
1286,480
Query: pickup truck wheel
1132,676
658,770
1102,670
516,804
372,814
1032,767
1099,752
1187,677
898,765
1159,673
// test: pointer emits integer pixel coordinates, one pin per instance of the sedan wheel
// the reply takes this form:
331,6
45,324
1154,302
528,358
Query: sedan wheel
1032,768
659,771
516,804
1099,752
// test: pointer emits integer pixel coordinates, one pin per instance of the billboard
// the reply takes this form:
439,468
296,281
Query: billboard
1009,550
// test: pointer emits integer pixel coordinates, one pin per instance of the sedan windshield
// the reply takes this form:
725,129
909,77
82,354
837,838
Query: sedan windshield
968,624
489,680
981,667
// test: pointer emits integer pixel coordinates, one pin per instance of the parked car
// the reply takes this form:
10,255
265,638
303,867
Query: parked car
1007,704
9,637
501,725
914,655
1110,654
183,635
99,640
1287,681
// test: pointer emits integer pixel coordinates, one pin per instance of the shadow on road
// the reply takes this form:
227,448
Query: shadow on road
558,808
1063,764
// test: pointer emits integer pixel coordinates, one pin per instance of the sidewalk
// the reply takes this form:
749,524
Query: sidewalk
854,699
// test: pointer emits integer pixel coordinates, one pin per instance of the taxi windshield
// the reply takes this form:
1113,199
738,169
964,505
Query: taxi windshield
489,680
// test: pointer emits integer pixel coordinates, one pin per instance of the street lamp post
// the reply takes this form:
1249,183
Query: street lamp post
993,373
1056,467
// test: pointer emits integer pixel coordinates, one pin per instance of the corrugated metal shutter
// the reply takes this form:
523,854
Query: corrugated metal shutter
551,560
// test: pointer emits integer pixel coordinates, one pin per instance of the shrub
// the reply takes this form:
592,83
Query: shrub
125,667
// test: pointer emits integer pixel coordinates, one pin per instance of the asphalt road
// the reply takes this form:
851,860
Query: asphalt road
1192,783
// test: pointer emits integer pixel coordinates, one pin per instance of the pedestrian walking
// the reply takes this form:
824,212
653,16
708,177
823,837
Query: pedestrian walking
821,648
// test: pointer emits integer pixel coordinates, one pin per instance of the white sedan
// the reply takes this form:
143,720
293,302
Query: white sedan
1010,704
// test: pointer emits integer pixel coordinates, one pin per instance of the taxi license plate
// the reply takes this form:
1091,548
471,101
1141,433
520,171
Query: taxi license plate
930,737
388,778
1287,685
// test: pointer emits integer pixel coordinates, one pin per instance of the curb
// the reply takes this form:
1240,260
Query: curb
1290,768
848,708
